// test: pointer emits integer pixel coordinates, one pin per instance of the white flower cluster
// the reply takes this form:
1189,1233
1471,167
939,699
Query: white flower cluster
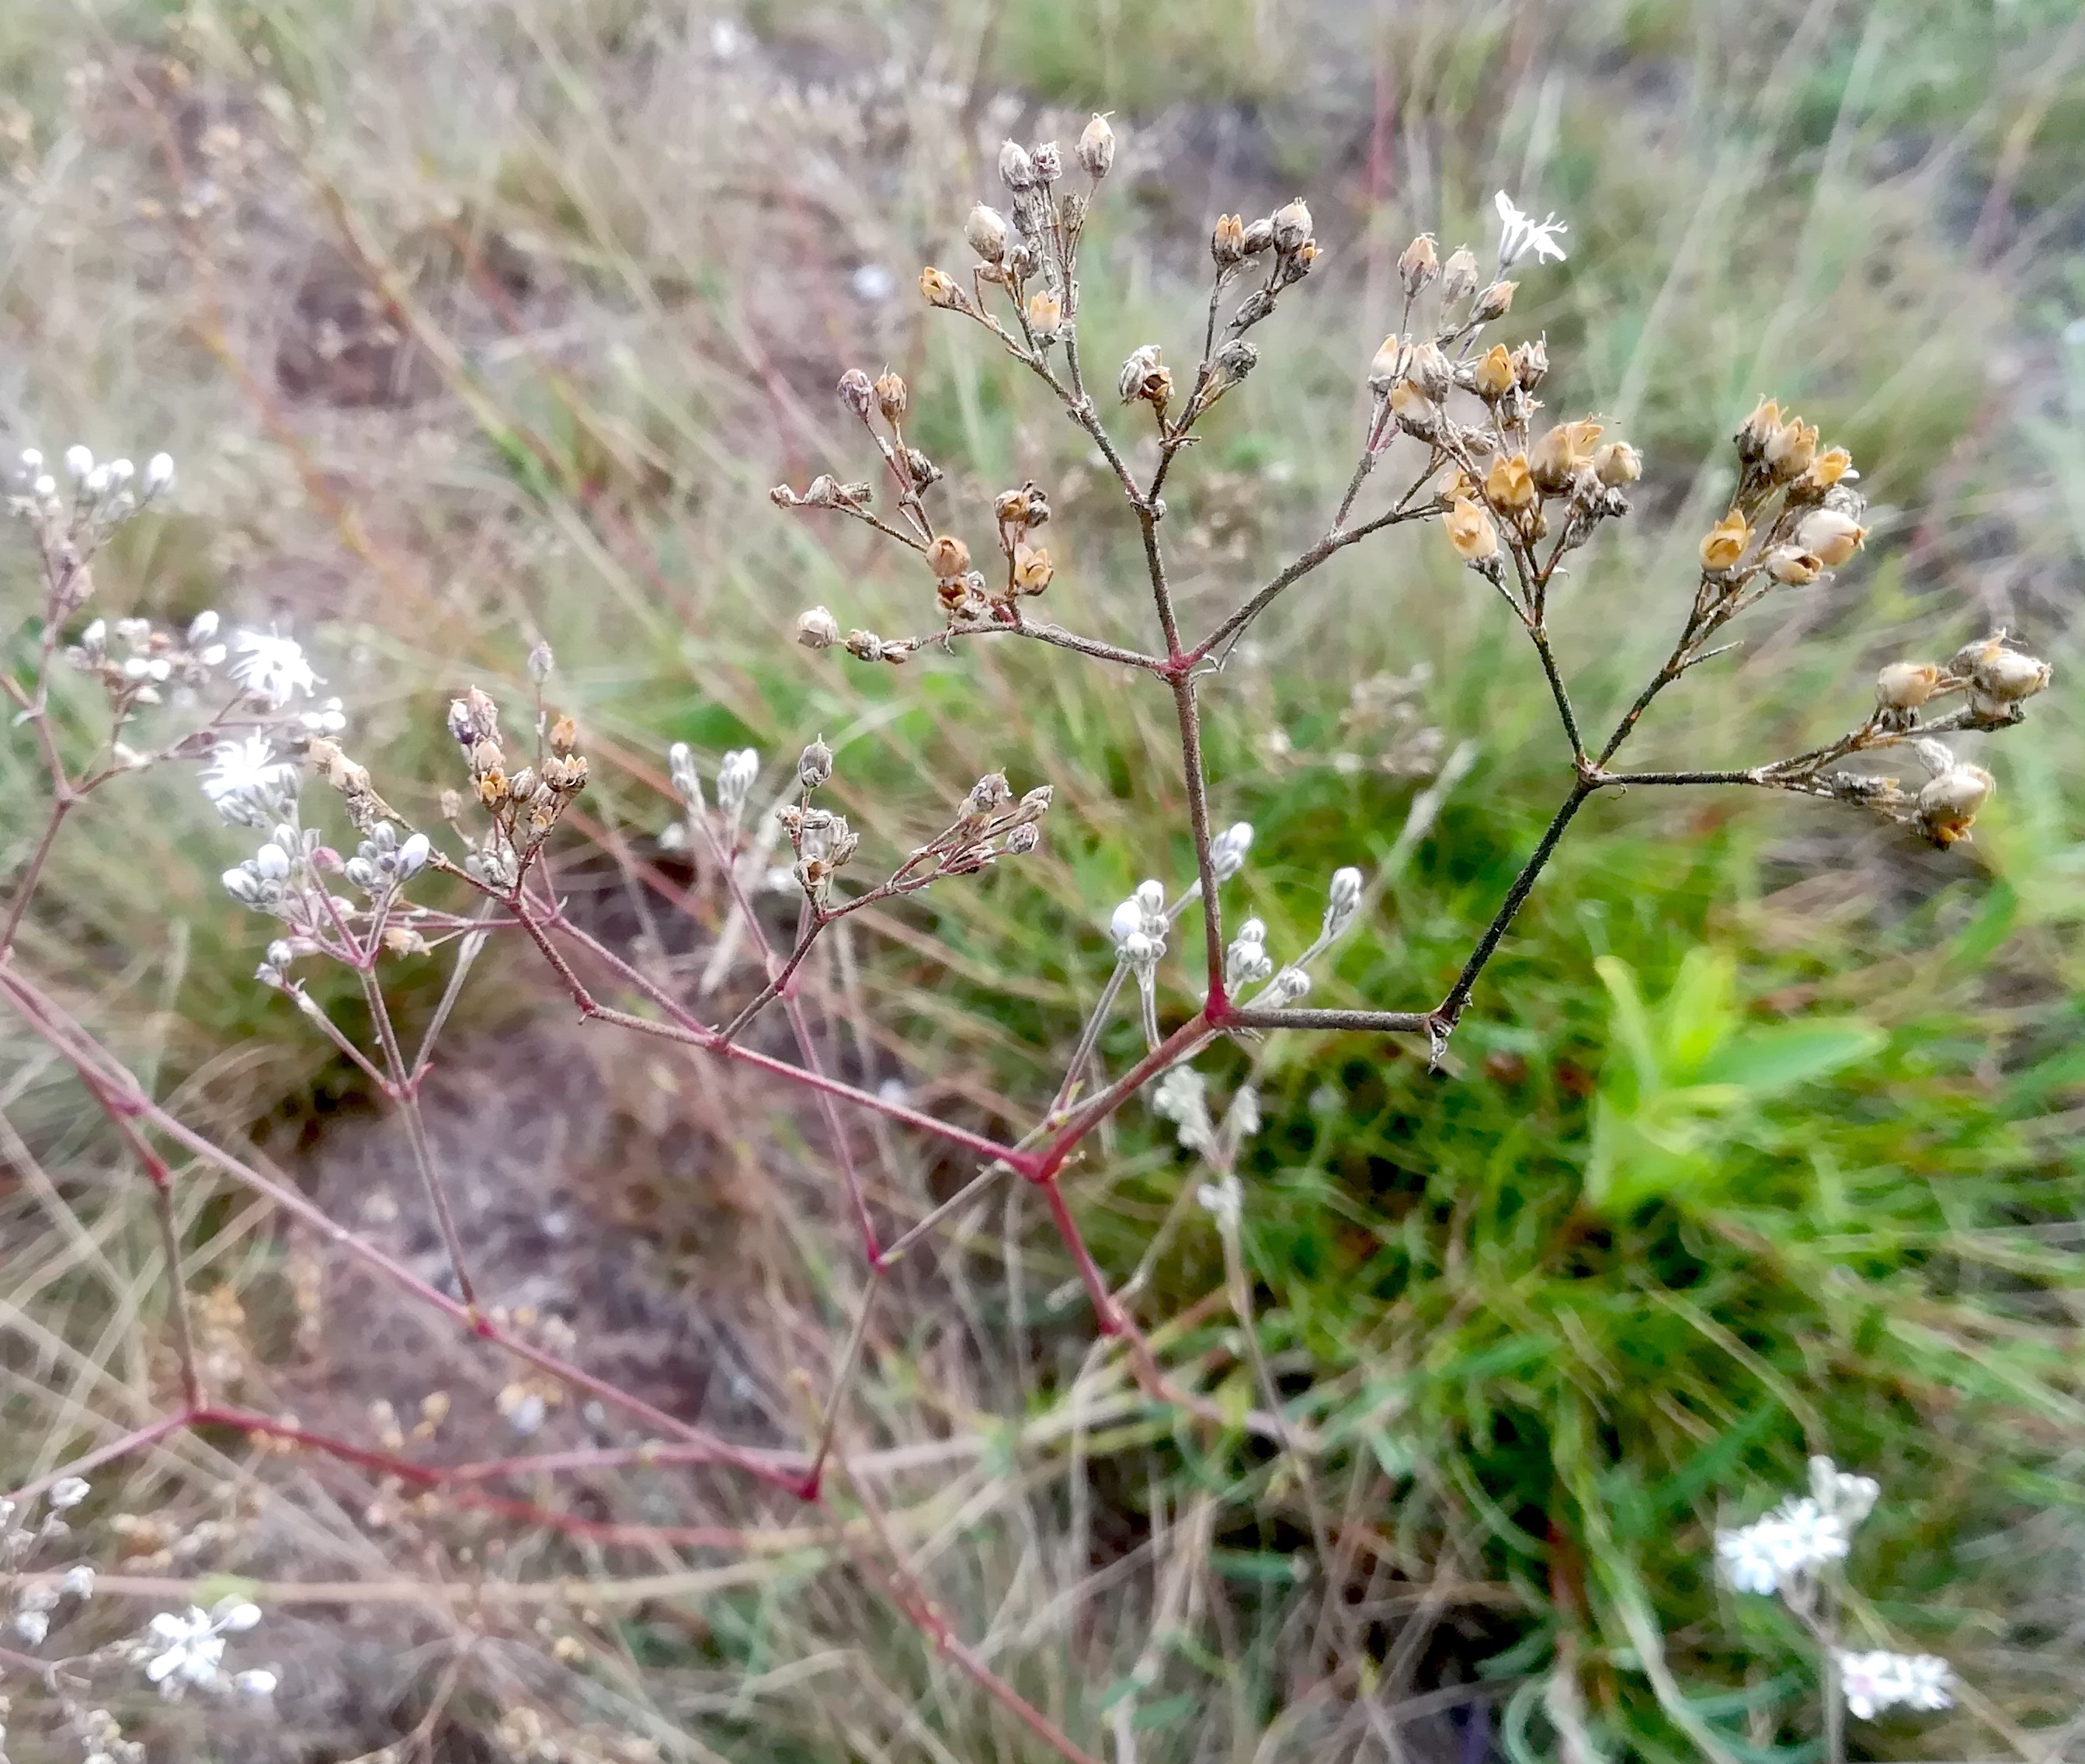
1783,1552
1875,1681
1786,1551
185,1651
111,492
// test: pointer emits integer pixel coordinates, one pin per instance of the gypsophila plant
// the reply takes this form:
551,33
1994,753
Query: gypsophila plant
175,1652
1457,428
1798,1551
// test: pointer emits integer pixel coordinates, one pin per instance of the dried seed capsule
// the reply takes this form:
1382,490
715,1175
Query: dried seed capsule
1617,463
1235,360
1494,374
1046,314
814,766
1097,148
948,557
1509,486
1791,447
1459,275
1905,685
1292,225
857,395
1830,536
1227,241
1470,531
1049,163
1725,543
1828,469
986,230
2008,676
1531,363
941,290
1428,369
1792,566
1017,170
1387,368
1258,237
1494,302
1418,265
1757,430
890,395
1032,568
1949,801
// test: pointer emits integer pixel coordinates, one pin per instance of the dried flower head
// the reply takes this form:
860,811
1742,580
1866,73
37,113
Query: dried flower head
1726,544
1470,531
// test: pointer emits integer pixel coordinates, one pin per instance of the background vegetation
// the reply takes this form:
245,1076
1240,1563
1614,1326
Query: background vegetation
471,324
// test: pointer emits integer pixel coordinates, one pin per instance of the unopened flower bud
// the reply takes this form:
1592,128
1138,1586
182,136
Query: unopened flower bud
78,464
542,663
412,856
1418,265
1495,301
817,628
1343,899
158,474
1097,148
1286,988
1228,849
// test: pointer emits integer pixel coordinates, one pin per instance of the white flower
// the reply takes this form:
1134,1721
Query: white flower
68,1491
159,473
1849,1498
32,1627
272,667
1224,1200
1872,1683
191,1651
191,1646
78,461
78,1581
247,767
1807,1536
257,1682
1182,1098
1751,1556
1518,235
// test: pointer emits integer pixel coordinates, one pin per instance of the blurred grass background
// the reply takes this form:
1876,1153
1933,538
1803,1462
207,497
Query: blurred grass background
474,325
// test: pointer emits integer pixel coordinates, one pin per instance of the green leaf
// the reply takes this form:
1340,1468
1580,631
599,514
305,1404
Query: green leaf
1771,1059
